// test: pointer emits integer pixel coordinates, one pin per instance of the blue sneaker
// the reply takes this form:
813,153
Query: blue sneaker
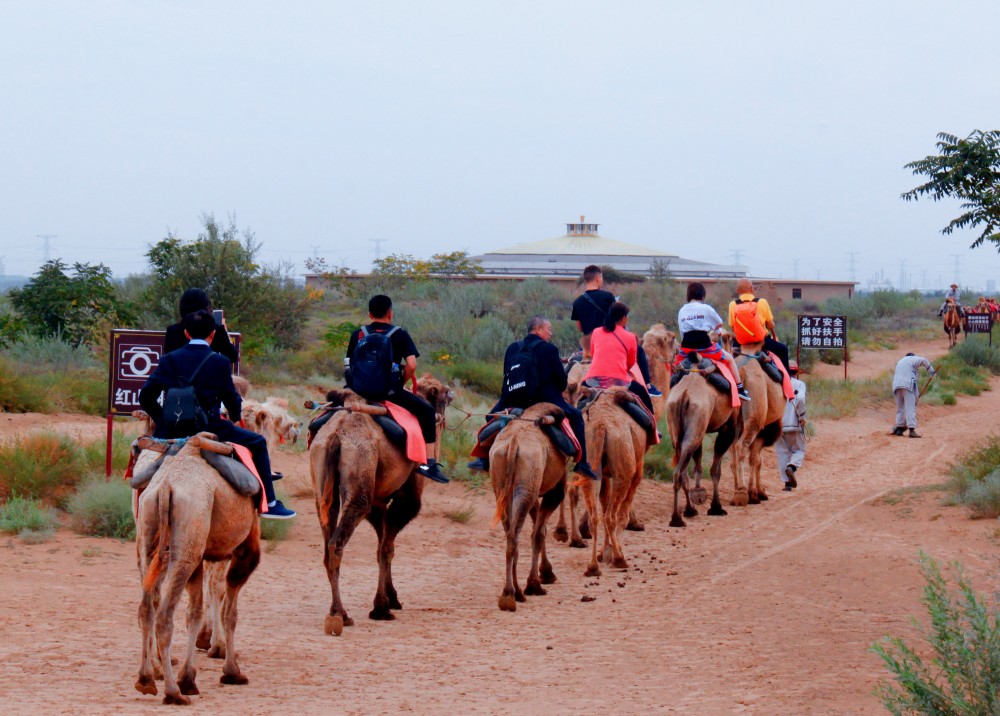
277,511
653,392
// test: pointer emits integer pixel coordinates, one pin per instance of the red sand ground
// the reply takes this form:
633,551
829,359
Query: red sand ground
769,610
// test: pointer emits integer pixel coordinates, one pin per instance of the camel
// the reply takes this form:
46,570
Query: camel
658,343
358,473
952,322
761,423
271,419
695,408
616,447
529,477
188,514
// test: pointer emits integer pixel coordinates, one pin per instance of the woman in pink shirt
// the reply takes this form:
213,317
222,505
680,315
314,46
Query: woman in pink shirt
614,352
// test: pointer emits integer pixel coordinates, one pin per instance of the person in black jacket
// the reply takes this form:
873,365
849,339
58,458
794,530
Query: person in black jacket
213,384
195,299
551,379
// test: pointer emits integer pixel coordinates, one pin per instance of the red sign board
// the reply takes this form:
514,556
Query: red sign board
134,357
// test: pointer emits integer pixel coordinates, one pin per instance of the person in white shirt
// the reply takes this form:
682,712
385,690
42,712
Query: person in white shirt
906,392
791,444
695,320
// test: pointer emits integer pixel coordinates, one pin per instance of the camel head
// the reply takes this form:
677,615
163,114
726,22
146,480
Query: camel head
270,419
242,385
658,342
435,392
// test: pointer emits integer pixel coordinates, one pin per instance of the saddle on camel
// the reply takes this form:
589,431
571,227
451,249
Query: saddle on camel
358,473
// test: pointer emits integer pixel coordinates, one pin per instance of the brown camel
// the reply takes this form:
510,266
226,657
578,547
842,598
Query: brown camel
695,408
658,343
358,473
952,322
188,514
616,447
761,423
529,477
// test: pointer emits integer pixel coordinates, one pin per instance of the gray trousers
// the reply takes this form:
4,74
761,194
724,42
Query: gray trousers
791,450
906,408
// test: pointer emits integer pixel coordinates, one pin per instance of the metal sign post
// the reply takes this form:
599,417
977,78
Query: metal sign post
133,358
822,332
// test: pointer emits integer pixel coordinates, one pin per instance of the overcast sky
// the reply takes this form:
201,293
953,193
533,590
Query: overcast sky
777,129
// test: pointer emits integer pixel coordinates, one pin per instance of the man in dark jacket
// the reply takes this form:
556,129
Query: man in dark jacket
551,382
213,384
195,299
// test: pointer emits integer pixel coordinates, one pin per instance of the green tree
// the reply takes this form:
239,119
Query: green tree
969,170
457,263
262,302
75,304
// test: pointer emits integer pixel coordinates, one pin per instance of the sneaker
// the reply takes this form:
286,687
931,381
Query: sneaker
432,471
480,463
790,474
277,511
583,468
744,395
898,432
653,392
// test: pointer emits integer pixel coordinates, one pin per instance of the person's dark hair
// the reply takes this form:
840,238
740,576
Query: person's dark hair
909,355
536,322
379,306
617,312
194,299
591,272
696,292
199,324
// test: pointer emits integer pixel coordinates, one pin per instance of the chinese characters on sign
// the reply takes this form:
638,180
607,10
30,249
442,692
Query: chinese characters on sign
134,357
822,331
978,322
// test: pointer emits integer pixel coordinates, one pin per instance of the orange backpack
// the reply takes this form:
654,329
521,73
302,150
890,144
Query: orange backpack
747,326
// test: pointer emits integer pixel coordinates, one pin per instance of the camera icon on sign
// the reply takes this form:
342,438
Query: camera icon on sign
138,362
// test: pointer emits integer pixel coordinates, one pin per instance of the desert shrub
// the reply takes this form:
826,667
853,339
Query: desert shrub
103,509
974,480
42,466
49,353
982,498
24,514
978,353
92,451
963,677
490,341
842,398
275,531
483,377
18,393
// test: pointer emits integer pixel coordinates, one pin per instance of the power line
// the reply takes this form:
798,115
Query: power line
378,247
850,262
737,255
46,245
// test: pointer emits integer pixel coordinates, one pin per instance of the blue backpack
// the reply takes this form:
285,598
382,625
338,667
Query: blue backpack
374,373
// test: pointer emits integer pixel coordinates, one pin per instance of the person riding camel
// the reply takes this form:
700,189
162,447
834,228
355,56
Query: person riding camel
210,374
755,323
954,293
545,385
695,319
376,382
590,309
195,299
614,354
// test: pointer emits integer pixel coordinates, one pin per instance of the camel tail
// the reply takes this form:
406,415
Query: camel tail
161,540
330,493
507,496
675,420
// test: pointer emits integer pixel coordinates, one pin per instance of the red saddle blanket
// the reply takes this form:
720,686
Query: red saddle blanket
483,449
416,448
786,380
244,456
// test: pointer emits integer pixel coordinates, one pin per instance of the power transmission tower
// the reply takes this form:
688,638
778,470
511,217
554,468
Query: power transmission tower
902,276
315,248
46,245
850,262
378,247
958,258
737,255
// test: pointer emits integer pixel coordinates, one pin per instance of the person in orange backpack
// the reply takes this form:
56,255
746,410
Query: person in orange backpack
752,321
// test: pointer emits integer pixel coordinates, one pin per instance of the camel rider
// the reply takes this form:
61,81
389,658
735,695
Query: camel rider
765,330
195,299
589,311
954,293
404,355
615,350
906,392
695,320
210,374
549,382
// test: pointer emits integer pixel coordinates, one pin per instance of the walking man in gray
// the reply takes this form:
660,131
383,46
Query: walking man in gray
904,387
791,444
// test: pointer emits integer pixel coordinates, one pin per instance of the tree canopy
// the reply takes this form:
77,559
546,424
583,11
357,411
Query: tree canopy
969,170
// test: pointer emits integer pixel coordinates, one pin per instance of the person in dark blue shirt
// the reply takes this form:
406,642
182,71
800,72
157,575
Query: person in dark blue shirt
213,384
551,382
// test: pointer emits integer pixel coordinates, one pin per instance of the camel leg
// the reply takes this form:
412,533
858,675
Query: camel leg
215,592
593,570
740,494
560,533
245,559
723,442
753,468
541,570
352,514
178,574
145,683
404,507
195,592
577,529
521,504
608,488
621,518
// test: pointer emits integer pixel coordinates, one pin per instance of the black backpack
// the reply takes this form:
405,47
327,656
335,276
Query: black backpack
520,381
373,372
182,413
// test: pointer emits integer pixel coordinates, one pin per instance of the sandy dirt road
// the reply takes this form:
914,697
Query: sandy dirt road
769,610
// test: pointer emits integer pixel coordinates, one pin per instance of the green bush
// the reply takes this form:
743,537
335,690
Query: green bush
103,509
982,498
974,481
42,466
19,393
24,514
490,341
481,376
978,353
963,677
